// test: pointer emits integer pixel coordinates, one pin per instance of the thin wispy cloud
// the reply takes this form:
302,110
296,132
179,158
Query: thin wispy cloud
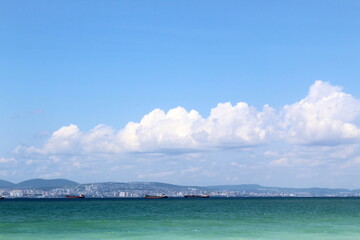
36,112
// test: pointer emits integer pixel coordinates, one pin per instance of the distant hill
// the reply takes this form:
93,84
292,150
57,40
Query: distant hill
111,188
158,185
6,184
45,183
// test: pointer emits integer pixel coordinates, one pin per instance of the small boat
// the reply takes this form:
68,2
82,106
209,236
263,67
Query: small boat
197,196
75,196
1,197
155,196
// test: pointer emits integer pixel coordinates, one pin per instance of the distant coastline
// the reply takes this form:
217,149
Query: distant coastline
59,188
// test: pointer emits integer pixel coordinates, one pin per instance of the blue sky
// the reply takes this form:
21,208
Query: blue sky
68,66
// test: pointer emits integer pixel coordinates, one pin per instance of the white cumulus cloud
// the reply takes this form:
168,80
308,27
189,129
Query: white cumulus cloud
326,116
176,130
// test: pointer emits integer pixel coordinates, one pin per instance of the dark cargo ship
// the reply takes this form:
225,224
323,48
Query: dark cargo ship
155,197
74,196
197,196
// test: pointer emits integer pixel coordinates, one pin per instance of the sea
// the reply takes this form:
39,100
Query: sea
180,218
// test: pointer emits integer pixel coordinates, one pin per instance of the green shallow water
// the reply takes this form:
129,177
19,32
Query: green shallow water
214,218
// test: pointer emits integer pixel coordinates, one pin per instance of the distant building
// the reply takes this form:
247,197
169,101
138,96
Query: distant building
16,193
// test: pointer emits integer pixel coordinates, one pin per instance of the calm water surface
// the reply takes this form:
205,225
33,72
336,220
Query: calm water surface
214,218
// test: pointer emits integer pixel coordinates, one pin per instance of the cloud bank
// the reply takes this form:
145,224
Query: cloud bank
325,117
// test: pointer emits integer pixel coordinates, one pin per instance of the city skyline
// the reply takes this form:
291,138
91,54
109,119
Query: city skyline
189,93
60,188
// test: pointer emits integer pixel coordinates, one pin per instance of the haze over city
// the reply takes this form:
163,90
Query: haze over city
189,93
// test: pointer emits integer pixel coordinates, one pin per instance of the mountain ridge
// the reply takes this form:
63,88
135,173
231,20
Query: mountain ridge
47,184
4,183
38,183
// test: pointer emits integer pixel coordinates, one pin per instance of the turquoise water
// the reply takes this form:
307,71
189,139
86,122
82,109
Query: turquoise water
214,218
